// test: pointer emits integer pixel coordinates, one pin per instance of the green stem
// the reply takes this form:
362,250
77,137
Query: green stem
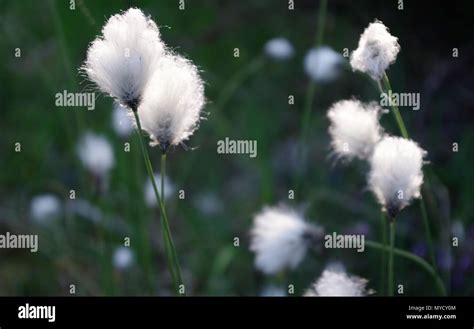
395,110
408,255
391,279
426,224
306,118
173,265
404,132
384,259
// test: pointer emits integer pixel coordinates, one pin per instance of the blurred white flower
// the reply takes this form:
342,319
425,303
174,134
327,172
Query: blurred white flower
279,49
323,64
83,208
336,282
280,238
122,121
354,128
396,173
45,208
172,102
122,60
123,258
96,154
376,51
208,203
273,291
149,192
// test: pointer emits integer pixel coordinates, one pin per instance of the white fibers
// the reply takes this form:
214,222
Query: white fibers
396,174
376,51
323,64
354,128
96,154
333,282
172,102
280,238
279,49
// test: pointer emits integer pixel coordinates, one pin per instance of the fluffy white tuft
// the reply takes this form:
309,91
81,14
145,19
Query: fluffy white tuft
279,239
122,120
123,258
122,60
96,154
44,208
172,102
354,128
323,64
279,49
396,173
334,282
376,51
149,192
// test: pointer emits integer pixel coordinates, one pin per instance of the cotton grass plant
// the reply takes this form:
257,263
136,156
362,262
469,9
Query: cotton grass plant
130,63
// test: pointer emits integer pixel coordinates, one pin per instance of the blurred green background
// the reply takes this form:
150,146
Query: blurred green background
247,99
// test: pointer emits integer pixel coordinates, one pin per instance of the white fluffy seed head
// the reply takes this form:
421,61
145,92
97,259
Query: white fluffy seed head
123,258
172,102
376,51
279,49
44,208
354,128
396,174
323,64
96,154
280,238
122,60
123,121
333,282
149,192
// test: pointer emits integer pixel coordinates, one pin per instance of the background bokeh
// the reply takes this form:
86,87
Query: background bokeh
247,99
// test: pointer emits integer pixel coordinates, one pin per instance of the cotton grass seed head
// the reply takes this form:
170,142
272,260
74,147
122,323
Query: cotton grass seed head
123,258
354,128
172,102
122,59
376,51
44,208
96,154
280,238
279,49
396,174
122,121
323,64
334,282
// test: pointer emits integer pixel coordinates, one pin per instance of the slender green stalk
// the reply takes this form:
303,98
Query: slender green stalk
418,260
391,279
173,265
404,132
395,110
384,259
309,98
426,224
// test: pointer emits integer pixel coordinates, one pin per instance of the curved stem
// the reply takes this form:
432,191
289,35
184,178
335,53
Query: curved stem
173,265
408,255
